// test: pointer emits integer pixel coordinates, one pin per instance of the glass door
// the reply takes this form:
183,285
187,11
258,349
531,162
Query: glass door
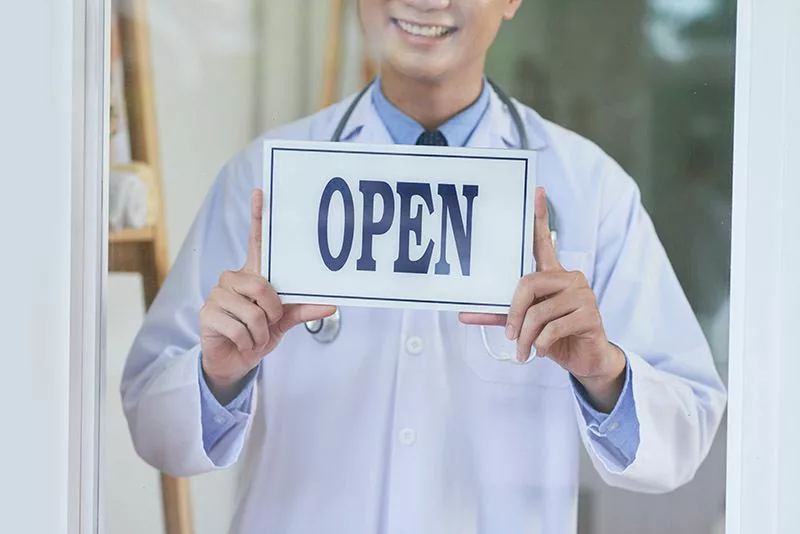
652,83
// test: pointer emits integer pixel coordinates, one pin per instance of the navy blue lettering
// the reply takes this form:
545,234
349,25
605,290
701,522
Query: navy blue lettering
335,263
408,224
370,189
462,235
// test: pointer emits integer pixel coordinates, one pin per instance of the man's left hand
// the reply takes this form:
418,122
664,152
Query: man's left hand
555,312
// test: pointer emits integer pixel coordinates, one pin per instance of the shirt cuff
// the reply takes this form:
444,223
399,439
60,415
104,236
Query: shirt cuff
217,420
617,432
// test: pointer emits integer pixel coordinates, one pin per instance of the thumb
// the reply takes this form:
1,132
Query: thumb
253,262
544,252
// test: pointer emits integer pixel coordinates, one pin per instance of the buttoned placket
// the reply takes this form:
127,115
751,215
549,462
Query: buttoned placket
410,444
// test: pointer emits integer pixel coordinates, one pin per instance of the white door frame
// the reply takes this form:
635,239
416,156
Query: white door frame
763,462
763,434
91,51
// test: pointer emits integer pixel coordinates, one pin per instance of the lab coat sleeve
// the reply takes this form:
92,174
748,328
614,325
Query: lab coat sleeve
161,383
678,397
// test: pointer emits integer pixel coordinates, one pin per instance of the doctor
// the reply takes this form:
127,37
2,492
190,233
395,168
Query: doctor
403,423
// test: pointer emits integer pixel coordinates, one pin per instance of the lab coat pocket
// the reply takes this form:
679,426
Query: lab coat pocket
486,353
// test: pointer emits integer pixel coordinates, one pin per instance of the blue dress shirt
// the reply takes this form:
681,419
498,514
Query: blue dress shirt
404,130
617,431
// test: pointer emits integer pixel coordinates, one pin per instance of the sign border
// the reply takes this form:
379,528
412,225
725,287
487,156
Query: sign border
526,157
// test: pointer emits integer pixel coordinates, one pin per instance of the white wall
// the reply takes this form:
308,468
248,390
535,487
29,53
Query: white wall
35,147
204,55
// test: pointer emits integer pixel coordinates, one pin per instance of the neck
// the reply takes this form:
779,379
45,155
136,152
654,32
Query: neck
431,102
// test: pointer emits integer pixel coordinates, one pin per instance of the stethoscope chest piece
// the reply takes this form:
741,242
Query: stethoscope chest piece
326,330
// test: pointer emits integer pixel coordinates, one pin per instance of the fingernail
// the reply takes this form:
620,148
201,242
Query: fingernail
510,332
521,356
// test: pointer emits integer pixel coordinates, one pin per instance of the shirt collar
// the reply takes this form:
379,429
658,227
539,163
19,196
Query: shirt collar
404,130
497,129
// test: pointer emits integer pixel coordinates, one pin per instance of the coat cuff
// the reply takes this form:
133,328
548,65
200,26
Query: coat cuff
613,436
218,420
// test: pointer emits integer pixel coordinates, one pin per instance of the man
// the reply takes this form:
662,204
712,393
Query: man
404,423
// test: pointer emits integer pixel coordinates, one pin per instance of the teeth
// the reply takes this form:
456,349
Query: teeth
424,31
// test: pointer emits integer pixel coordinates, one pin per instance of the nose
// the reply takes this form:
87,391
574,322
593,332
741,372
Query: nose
428,5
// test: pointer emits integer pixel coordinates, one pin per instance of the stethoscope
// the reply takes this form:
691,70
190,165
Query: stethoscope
327,330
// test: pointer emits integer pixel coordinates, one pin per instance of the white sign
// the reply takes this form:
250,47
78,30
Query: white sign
397,226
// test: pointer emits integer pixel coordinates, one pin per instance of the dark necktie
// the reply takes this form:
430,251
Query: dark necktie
432,138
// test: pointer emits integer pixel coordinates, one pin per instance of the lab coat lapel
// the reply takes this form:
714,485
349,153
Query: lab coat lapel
365,126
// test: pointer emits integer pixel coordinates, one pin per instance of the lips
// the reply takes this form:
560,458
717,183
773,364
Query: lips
431,31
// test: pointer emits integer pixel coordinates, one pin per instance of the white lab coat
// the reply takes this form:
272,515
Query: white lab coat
404,424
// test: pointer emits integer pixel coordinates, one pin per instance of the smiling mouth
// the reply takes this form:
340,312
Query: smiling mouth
424,30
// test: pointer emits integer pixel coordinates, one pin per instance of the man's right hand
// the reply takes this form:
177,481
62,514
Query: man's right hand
243,319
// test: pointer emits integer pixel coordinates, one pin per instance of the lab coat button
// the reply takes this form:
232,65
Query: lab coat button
414,345
219,420
613,426
408,436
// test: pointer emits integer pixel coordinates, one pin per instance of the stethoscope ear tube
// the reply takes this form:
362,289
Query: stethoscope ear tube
503,356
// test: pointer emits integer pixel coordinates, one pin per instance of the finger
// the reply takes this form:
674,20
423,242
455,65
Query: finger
483,319
544,251
531,288
576,323
253,262
229,327
539,316
256,289
294,314
248,313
